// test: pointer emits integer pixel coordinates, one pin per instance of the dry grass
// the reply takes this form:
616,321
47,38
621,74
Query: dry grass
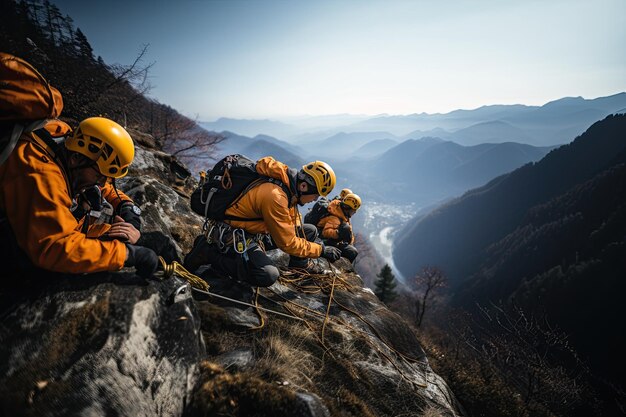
223,394
431,411
284,356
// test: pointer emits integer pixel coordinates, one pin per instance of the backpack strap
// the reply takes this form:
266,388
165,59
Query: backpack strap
14,135
253,184
43,139
11,140
250,186
284,187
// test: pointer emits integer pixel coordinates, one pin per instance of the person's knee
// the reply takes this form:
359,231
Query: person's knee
265,276
310,231
198,256
350,253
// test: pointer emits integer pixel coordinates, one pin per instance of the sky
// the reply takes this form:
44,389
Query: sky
282,58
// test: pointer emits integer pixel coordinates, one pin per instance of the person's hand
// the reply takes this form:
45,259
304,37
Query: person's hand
345,232
123,231
131,214
145,260
331,253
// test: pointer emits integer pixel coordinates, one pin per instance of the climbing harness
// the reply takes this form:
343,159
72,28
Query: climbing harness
226,237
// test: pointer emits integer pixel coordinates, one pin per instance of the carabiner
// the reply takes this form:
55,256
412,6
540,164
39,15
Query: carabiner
240,245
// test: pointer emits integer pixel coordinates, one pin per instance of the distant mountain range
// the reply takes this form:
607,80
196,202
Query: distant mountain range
553,123
549,237
453,236
428,170
373,148
258,147
250,127
422,171
448,155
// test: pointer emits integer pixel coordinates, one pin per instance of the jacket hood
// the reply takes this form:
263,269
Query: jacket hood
272,168
334,208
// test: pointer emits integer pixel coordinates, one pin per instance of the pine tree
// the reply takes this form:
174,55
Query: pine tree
385,285
83,48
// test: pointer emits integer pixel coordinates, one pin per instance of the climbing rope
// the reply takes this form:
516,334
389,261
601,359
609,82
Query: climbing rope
330,299
176,268
318,285
201,286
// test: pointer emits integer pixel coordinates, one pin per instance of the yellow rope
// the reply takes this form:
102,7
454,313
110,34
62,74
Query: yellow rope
178,269
258,312
330,300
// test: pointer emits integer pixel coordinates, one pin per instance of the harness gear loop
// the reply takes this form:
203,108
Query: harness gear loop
220,242
209,230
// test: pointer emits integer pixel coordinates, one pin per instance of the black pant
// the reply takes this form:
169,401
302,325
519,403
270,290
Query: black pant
347,251
253,267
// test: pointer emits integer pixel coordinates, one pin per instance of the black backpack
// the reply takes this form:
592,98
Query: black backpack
318,212
225,184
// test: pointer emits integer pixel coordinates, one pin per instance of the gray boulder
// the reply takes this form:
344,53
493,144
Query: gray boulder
107,344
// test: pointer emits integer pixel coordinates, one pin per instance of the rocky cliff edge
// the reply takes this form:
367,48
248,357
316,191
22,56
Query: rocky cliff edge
112,344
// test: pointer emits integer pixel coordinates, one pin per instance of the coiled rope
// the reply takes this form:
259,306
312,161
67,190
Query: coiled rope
201,286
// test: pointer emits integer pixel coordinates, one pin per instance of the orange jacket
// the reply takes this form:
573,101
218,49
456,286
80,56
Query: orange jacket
280,218
330,224
113,197
34,197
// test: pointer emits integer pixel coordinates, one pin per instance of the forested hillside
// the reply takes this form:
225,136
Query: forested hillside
547,241
38,32
454,236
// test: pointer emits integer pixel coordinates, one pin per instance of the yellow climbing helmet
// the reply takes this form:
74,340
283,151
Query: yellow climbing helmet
323,176
105,142
352,200
344,193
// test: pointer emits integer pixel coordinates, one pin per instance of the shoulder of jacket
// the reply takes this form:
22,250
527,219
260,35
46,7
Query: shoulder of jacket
34,153
332,219
269,188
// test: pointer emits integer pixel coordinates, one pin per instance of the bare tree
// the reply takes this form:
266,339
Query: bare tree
135,74
428,281
369,262
182,137
527,350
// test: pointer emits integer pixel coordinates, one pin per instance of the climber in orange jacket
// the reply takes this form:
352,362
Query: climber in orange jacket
336,229
38,184
267,210
94,200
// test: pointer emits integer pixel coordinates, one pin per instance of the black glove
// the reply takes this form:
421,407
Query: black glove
145,260
93,196
345,232
331,253
90,195
130,213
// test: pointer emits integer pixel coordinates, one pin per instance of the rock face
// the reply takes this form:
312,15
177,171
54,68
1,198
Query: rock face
169,225
315,345
363,361
98,346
